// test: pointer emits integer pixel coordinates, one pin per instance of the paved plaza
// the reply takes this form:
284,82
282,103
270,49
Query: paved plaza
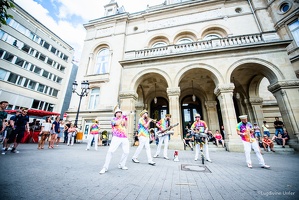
71,172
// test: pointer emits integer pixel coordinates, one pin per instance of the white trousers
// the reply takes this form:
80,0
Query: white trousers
90,138
164,138
70,138
205,149
144,141
115,142
247,148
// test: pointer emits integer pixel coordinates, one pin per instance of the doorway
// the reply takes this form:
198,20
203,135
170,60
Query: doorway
189,109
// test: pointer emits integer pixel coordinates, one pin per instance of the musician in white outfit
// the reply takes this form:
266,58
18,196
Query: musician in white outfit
245,130
200,126
163,125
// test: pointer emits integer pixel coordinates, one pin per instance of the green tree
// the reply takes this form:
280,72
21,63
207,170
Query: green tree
4,6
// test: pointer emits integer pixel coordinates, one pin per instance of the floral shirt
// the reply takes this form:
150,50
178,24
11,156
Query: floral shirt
243,128
118,130
199,125
142,130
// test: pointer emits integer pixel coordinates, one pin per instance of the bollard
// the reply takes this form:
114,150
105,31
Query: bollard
176,156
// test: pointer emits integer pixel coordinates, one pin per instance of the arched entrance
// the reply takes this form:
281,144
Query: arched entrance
188,110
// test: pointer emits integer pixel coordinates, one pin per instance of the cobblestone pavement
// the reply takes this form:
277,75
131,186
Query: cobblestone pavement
71,172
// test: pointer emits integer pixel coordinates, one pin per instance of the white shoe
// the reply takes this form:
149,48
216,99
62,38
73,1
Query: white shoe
195,159
151,163
166,158
87,149
122,167
103,171
209,160
266,166
156,156
135,160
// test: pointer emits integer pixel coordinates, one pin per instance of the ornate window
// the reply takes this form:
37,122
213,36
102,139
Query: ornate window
102,62
211,36
94,98
184,41
294,28
159,44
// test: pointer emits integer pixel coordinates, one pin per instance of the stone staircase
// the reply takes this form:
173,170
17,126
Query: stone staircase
279,150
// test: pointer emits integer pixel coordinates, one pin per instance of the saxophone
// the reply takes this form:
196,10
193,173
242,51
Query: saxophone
248,130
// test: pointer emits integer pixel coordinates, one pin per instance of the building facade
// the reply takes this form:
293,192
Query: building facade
35,64
217,58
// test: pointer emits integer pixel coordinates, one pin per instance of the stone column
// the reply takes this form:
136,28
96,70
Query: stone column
249,110
174,109
212,119
224,93
287,95
127,105
258,116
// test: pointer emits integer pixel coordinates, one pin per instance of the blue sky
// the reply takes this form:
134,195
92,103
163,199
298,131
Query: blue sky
68,16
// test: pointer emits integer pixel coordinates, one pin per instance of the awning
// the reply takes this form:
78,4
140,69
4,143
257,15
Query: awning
39,113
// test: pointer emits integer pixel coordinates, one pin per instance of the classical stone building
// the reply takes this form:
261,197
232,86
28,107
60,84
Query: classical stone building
217,58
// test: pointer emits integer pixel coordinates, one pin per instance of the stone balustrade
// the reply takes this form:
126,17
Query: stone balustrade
196,46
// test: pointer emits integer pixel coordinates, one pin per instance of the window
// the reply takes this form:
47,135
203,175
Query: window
50,61
65,57
19,62
46,45
1,52
26,48
45,74
102,62
37,70
8,56
211,36
53,50
35,104
285,7
19,82
12,78
55,93
42,57
159,44
2,74
31,85
59,80
184,41
40,88
94,98
294,28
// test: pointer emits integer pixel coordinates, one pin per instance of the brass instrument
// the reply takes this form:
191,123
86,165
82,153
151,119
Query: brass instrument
248,133
153,120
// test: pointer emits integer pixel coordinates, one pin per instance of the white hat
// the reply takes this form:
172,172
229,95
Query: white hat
243,117
117,110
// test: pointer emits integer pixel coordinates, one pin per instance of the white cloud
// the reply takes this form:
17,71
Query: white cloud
71,33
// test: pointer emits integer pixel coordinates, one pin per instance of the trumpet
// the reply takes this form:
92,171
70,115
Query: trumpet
153,120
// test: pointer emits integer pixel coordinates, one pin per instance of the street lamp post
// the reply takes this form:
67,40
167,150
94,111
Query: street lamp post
84,92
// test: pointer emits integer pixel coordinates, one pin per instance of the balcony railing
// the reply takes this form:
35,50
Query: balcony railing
197,46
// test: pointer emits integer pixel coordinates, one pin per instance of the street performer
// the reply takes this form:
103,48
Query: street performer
120,137
245,130
143,136
200,126
163,125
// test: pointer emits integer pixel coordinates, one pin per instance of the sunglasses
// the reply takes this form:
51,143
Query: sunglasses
197,117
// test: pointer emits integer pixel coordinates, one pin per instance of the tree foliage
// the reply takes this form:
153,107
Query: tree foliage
4,6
